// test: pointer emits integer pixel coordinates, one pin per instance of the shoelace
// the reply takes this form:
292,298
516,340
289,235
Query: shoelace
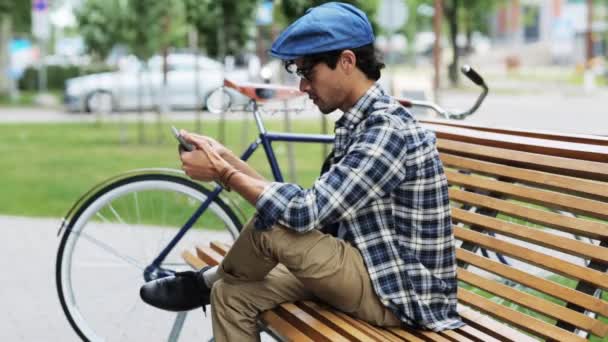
198,278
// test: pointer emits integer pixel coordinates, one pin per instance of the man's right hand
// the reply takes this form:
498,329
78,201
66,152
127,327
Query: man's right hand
197,139
222,151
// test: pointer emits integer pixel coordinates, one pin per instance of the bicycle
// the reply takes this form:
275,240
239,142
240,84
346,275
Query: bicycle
131,203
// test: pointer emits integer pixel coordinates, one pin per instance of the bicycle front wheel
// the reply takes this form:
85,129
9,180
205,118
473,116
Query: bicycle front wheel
113,236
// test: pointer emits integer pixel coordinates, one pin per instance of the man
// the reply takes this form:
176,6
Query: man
373,235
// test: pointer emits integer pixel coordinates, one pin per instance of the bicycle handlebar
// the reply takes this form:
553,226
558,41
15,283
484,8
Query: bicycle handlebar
471,74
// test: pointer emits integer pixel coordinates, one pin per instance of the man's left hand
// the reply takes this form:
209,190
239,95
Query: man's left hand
204,163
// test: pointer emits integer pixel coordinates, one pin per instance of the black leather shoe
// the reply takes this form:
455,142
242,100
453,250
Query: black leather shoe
182,292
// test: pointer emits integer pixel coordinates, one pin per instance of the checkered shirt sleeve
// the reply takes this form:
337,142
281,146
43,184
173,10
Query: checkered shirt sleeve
370,169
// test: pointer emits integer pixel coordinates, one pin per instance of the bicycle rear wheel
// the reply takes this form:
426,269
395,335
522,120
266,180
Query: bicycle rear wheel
113,236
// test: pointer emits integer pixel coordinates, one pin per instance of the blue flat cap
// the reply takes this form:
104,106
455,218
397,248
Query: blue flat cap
331,26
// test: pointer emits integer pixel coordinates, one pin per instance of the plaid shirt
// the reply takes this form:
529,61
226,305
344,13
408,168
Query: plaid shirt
387,190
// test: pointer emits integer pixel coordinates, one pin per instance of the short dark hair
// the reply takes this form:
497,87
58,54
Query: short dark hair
368,60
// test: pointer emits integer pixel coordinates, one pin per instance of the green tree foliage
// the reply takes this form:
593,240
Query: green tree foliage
223,25
145,26
20,13
147,20
293,9
102,24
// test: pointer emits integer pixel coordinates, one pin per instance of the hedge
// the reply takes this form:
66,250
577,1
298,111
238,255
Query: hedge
56,75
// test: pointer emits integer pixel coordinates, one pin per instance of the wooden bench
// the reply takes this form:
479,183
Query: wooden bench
538,200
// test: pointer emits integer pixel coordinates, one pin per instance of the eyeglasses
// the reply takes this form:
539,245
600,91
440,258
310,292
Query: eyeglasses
304,72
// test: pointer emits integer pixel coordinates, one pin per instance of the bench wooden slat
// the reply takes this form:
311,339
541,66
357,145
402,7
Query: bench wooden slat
333,321
541,178
542,260
476,334
534,235
311,326
281,328
535,303
588,228
455,336
193,260
548,147
525,322
548,287
559,165
376,333
220,247
491,326
427,335
417,335
531,133
543,197
405,335
208,255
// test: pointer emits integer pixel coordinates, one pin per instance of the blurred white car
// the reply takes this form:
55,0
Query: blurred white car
112,91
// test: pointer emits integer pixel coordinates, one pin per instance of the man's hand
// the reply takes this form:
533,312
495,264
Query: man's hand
220,149
204,163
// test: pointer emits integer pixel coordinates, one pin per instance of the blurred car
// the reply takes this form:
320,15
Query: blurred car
113,91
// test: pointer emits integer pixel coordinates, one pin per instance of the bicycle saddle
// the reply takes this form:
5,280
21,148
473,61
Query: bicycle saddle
262,92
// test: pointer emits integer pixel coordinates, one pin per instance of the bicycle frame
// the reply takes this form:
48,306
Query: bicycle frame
265,139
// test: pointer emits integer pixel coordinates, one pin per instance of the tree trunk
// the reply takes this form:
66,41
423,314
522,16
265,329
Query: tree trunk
140,114
452,16
468,49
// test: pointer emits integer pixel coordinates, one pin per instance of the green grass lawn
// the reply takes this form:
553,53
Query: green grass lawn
27,98
46,167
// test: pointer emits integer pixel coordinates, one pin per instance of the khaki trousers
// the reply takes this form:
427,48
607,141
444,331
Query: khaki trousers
266,268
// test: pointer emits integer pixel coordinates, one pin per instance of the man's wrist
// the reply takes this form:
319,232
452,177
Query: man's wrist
226,175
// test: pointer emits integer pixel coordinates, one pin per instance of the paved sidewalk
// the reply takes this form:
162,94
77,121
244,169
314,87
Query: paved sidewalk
31,308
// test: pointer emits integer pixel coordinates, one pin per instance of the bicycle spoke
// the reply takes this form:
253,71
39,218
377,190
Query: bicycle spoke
118,217
111,250
103,218
137,212
127,315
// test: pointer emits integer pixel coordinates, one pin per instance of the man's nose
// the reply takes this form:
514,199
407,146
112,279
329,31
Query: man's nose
304,85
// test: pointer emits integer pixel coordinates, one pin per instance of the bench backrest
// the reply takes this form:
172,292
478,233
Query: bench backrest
541,203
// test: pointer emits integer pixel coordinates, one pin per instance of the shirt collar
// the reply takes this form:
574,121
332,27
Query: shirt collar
351,118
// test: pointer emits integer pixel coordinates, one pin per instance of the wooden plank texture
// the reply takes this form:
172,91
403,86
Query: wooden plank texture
550,199
559,165
525,322
592,229
533,235
533,257
551,288
539,178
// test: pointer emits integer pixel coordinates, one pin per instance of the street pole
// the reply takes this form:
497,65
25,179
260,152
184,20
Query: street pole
589,34
589,81
165,104
437,48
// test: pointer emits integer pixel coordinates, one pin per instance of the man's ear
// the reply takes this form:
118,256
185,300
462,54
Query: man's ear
348,61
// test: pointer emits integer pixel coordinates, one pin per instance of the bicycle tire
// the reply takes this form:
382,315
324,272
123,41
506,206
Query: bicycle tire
170,190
